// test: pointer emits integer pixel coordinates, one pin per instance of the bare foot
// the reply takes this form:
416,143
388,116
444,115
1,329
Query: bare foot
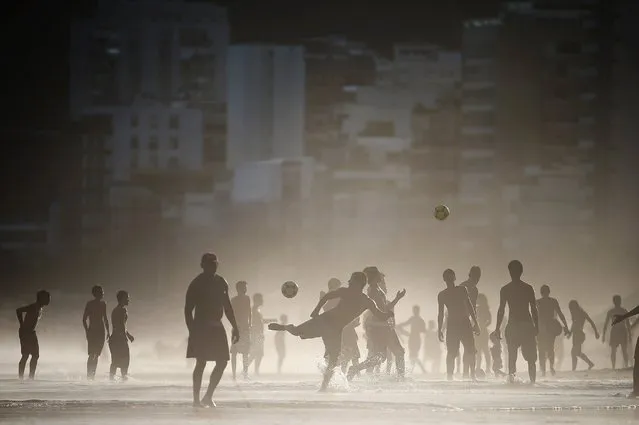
208,402
198,405
633,394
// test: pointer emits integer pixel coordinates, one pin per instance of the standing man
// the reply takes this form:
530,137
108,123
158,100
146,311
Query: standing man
96,330
523,322
207,300
458,329
242,309
473,293
635,374
549,328
620,336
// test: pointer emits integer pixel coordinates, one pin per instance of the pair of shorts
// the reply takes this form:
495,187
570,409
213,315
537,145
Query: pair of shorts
546,341
208,342
120,354
522,335
29,345
618,338
457,333
323,327
95,341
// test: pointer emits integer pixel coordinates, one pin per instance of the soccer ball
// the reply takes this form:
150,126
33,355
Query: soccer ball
289,289
441,212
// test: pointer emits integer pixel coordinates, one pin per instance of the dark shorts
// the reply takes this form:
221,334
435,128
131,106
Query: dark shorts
378,338
208,343
546,341
618,338
522,335
29,345
460,333
322,327
243,346
120,355
95,342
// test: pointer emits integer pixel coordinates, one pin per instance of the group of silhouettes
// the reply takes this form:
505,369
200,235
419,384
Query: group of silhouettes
96,327
463,319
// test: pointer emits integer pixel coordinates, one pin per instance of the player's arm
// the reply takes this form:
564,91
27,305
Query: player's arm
605,326
189,306
561,315
373,308
228,308
440,317
399,296
592,323
105,319
20,312
85,316
622,317
500,311
329,296
533,308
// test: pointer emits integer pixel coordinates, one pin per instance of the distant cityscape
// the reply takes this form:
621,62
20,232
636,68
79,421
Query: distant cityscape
325,151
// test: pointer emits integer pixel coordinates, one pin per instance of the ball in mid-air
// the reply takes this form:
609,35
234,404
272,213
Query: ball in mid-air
441,212
289,289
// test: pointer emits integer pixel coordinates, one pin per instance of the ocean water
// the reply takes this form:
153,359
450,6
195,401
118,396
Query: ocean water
164,397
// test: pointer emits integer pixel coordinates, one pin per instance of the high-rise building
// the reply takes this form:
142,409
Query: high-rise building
163,49
532,123
266,103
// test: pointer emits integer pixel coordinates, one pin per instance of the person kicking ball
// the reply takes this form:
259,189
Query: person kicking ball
329,325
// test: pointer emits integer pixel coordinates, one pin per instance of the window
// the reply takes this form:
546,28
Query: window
174,143
135,120
154,121
174,122
135,142
153,143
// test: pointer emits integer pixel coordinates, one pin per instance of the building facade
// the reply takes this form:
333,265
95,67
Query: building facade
266,103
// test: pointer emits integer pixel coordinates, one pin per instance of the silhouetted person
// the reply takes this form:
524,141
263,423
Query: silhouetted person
257,332
280,344
120,337
619,335
242,309
329,325
96,330
523,321
455,300
484,319
381,332
417,329
579,318
207,300
432,348
549,328
495,352
560,348
350,351
28,317
635,373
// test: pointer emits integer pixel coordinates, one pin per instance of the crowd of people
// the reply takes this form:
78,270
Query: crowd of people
532,327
